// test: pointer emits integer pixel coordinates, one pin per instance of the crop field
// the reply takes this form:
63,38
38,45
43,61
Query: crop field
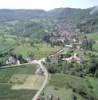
67,86
19,83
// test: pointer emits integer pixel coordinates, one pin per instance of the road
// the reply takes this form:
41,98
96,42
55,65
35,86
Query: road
39,62
46,78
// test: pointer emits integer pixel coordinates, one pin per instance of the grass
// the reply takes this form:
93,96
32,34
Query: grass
62,85
6,74
6,45
38,50
61,92
93,36
96,47
19,83
94,83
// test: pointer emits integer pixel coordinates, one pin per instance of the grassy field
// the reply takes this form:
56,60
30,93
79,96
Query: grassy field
62,85
94,83
38,50
19,83
96,47
93,36
11,44
6,45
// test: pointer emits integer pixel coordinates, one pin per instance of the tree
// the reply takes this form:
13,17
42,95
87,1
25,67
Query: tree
87,44
90,44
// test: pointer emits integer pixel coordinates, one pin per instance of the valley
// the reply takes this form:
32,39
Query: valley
66,38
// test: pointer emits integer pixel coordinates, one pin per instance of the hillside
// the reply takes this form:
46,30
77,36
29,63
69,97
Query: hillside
89,25
38,23
10,15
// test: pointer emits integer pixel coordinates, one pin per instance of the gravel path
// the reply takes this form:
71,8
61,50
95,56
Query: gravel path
45,81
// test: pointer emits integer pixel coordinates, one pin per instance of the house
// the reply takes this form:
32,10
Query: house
12,60
54,59
76,58
69,46
39,71
18,62
68,59
29,58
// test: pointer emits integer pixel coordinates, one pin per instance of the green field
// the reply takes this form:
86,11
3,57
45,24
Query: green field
94,83
6,45
38,50
19,83
22,46
67,86
93,36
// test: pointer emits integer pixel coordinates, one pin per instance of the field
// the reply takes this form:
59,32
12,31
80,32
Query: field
64,86
93,36
6,45
19,83
22,46
94,83
38,50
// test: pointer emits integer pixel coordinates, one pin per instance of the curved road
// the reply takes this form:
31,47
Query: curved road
39,62
46,77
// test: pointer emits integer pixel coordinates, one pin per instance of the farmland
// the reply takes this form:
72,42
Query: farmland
21,46
19,83
38,50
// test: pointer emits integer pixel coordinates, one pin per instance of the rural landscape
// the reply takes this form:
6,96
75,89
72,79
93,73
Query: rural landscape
49,55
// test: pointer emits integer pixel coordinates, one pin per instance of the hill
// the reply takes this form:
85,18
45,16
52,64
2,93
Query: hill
38,23
89,25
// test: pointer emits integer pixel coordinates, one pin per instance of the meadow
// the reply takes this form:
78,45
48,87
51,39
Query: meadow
38,51
10,44
67,87
93,36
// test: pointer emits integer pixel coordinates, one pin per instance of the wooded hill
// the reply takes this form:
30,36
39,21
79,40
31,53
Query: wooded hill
38,23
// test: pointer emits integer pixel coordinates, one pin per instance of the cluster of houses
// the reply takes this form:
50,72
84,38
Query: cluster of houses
75,58
54,59
67,39
12,61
